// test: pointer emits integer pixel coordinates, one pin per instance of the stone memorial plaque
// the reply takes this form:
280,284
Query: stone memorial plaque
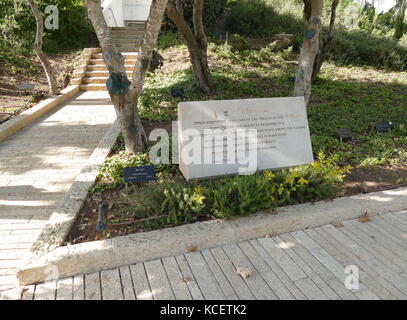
227,137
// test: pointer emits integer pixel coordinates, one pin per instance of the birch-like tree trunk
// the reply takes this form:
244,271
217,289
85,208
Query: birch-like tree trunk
125,94
195,41
325,45
52,84
309,51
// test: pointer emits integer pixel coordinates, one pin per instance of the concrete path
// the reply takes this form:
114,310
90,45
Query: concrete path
305,264
37,167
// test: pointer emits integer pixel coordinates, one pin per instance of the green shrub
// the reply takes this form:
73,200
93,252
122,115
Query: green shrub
241,196
170,204
362,48
17,25
263,18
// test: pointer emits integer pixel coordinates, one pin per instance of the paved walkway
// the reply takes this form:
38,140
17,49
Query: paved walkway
305,264
37,167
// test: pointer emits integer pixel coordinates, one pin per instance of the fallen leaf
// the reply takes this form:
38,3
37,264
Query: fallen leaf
185,279
271,235
192,248
243,272
337,225
364,218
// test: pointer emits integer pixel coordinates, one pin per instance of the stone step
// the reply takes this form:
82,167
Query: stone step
127,55
92,87
127,43
103,74
102,67
93,80
100,61
126,36
128,49
128,29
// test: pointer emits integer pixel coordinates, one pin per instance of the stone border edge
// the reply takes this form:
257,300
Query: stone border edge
110,253
23,119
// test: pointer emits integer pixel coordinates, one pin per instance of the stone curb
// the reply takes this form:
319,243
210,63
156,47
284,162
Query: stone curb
104,254
12,126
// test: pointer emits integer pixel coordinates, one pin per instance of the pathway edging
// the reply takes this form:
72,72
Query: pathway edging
103,254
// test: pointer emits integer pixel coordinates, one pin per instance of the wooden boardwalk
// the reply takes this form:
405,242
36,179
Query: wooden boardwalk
305,264
38,165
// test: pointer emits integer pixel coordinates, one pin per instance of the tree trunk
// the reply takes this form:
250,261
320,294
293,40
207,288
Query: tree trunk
196,42
124,94
325,45
399,23
307,9
308,52
52,84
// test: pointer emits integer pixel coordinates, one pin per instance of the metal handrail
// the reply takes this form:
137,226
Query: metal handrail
113,16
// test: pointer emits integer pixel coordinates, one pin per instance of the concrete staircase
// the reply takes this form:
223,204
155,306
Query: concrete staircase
93,74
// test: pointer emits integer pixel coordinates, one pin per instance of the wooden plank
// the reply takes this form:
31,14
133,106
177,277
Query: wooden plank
398,251
367,282
127,283
378,250
316,266
111,285
160,287
343,237
177,281
92,286
388,230
286,263
193,287
140,282
330,262
366,272
285,279
45,291
310,289
345,249
65,289
227,289
206,281
240,287
267,273
315,279
79,287
260,289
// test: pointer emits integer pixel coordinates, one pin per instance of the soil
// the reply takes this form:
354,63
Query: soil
14,100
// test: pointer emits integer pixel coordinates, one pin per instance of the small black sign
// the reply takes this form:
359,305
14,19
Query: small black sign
140,174
345,134
383,126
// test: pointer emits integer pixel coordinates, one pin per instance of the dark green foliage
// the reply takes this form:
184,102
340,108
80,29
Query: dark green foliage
259,18
362,48
213,9
241,196
17,25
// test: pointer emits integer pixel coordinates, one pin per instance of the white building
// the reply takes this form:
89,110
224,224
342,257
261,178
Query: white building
120,12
